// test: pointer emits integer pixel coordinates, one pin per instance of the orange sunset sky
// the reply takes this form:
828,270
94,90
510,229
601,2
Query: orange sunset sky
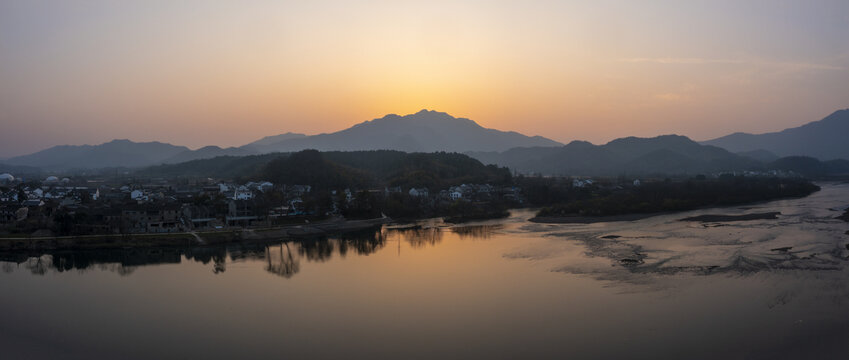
226,73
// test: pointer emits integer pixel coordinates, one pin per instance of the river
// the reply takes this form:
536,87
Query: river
656,288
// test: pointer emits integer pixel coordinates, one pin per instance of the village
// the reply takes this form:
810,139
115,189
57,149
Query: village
86,206
123,204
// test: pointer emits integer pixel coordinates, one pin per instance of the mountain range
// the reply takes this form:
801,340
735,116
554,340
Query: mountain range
424,131
432,131
826,139
116,153
670,154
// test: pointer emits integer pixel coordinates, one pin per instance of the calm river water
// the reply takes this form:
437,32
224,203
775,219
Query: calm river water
506,289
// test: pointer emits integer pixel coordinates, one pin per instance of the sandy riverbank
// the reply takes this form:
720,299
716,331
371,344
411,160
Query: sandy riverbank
590,219
725,218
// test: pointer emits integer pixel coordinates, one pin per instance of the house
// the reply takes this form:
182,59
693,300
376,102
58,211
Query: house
578,183
240,212
33,203
455,195
637,182
55,193
265,186
151,218
69,202
35,194
485,189
299,190
391,190
199,216
242,193
138,195
9,196
225,188
420,192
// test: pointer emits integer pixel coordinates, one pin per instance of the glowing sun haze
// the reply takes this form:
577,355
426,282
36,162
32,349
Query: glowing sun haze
222,73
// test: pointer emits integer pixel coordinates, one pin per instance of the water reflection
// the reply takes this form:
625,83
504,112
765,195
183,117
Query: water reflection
418,237
485,231
282,259
122,261
375,295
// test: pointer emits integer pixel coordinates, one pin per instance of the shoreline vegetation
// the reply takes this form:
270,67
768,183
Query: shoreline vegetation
665,197
193,239
305,231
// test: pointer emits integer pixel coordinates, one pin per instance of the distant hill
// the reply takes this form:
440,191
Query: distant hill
377,168
825,139
116,153
668,154
120,153
19,170
811,167
230,167
271,140
424,131
759,155
207,152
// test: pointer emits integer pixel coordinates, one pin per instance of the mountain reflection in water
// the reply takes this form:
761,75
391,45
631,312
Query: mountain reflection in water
281,258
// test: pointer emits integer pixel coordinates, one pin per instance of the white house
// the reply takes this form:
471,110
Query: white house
455,195
243,193
420,192
138,195
581,183
265,186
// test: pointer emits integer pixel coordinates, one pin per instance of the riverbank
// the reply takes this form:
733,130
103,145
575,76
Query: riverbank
658,198
726,218
590,219
634,217
116,241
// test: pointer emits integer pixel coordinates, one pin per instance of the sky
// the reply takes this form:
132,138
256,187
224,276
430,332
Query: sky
226,73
